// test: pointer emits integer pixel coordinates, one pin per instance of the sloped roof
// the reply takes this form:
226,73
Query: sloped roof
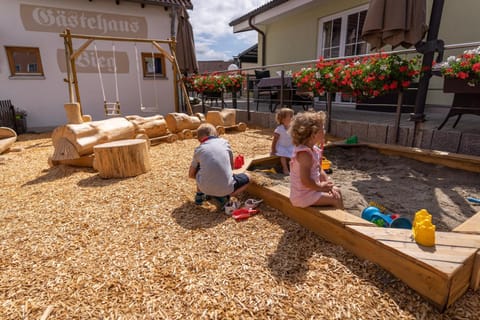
267,6
249,55
167,3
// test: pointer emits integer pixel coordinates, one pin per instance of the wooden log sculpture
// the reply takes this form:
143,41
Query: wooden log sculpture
73,141
7,138
122,158
183,124
225,119
154,126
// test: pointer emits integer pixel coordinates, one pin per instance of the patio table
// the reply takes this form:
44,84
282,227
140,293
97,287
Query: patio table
275,84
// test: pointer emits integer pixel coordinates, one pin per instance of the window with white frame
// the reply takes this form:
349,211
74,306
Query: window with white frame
24,61
340,35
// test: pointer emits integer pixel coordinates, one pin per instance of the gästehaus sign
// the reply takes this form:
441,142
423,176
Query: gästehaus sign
49,19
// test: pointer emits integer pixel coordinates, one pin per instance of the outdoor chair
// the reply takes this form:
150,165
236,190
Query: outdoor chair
7,115
303,98
263,94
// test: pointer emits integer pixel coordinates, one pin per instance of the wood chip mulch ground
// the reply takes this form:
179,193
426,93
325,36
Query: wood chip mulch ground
75,246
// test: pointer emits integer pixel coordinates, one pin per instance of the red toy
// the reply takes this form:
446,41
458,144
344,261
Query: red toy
238,162
244,213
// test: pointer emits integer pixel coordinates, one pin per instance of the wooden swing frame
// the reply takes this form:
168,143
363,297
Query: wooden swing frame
71,56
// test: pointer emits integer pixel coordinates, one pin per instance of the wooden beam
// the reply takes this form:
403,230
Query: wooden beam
84,46
475,281
109,38
472,225
163,51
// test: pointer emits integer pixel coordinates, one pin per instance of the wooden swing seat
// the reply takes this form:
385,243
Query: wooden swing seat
112,108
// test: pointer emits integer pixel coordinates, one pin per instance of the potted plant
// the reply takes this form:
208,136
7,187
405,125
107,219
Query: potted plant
461,73
210,85
21,120
233,81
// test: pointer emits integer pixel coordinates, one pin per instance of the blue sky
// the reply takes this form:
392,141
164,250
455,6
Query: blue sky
214,38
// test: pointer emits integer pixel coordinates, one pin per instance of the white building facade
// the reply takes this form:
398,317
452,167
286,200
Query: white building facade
33,69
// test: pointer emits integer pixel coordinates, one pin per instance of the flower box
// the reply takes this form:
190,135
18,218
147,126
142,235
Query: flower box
388,102
212,94
453,85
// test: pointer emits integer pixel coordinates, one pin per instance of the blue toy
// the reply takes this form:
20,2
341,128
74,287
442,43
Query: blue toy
474,200
375,215
401,223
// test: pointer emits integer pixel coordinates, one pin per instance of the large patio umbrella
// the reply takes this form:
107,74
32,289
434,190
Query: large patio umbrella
185,49
395,22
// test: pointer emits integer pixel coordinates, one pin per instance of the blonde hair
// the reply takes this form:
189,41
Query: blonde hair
282,114
206,130
305,125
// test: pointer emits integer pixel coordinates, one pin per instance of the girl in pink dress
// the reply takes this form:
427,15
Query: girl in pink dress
309,184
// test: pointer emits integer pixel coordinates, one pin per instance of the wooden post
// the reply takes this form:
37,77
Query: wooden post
73,67
329,111
398,115
73,112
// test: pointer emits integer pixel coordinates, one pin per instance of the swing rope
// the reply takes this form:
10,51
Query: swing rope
115,73
154,81
111,108
99,73
139,86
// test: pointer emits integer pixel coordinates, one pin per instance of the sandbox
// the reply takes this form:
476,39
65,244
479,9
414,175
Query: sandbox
442,273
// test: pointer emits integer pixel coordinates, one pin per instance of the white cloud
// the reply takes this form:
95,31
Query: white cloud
214,38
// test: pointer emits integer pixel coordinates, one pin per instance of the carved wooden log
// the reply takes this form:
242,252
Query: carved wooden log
225,117
177,122
122,158
74,116
170,138
241,126
7,138
154,126
75,140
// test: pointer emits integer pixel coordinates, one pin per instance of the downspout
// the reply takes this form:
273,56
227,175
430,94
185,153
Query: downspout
264,39
173,18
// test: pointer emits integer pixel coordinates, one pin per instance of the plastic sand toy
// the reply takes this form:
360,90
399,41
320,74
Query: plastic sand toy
423,230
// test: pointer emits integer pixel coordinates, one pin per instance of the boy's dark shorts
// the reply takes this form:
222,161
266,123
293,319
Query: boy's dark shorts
241,179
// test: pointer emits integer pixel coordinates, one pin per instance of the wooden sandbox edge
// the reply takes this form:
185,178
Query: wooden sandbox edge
442,287
447,159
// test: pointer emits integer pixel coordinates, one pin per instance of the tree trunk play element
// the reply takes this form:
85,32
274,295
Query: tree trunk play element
122,159
183,124
224,120
153,127
7,138
72,141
